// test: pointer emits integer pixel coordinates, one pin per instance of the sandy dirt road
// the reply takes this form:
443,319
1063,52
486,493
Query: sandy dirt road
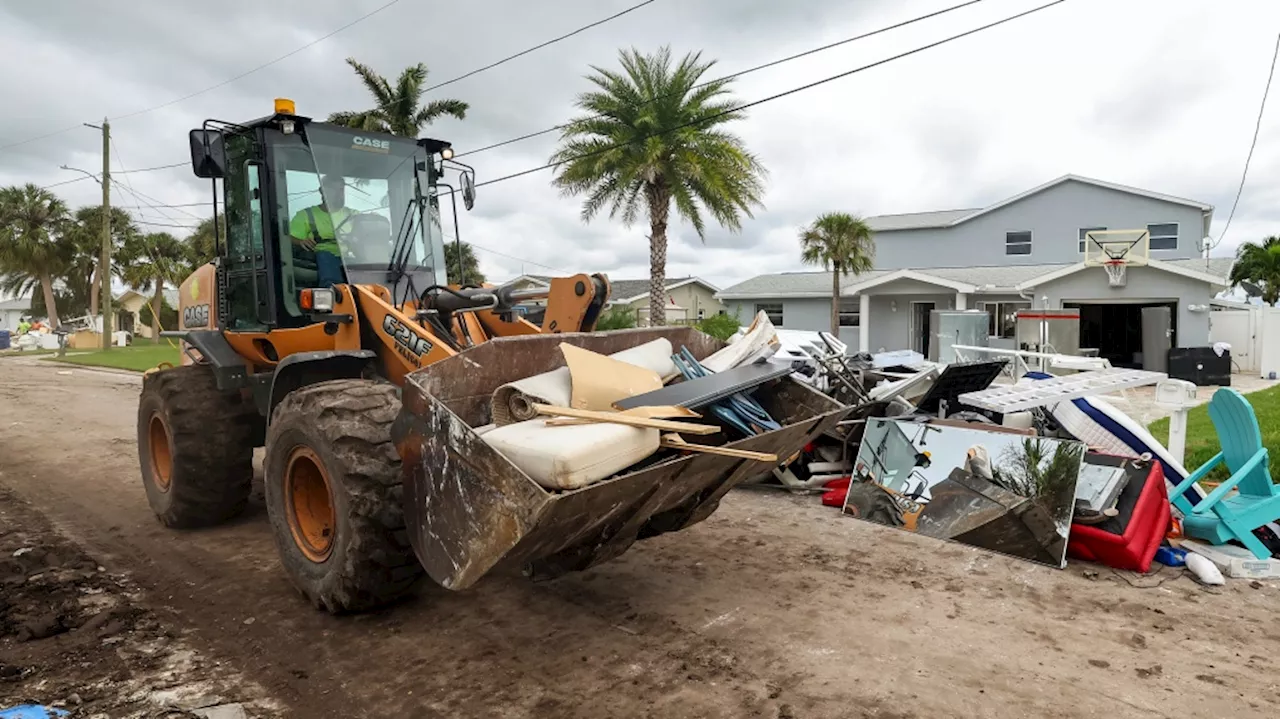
774,607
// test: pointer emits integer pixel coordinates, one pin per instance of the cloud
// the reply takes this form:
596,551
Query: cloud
1160,96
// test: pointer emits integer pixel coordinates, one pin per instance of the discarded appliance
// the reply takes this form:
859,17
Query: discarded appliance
957,327
1049,331
1129,539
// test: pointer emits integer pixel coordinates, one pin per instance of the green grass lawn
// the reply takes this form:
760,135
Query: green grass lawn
1202,440
138,357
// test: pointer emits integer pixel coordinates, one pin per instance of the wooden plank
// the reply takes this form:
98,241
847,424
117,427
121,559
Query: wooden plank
630,420
671,441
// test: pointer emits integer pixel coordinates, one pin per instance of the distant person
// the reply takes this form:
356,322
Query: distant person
313,229
24,326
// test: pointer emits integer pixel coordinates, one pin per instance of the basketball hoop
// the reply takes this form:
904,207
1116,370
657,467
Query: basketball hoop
1115,250
1115,271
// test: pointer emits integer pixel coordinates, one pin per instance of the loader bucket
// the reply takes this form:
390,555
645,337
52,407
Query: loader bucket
469,510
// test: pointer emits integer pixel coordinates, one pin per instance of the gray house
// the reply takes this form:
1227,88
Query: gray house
1024,252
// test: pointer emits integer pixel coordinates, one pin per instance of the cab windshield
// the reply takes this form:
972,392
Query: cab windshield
357,196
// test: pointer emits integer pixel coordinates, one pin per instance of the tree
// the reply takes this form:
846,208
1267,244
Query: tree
840,243
156,259
31,223
1259,263
470,265
618,317
84,233
721,326
396,108
202,244
653,137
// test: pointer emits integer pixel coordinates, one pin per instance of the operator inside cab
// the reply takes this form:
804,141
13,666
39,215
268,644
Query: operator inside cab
315,230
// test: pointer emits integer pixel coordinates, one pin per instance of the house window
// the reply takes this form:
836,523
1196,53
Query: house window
1084,232
1164,236
849,316
773,311
1003,317
1017,243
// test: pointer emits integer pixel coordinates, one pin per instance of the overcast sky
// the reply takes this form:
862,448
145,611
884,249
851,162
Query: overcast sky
1159,94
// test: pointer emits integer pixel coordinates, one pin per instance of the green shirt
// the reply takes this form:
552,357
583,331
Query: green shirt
322,231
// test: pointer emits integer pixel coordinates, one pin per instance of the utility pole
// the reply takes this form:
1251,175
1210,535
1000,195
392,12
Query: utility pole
104,291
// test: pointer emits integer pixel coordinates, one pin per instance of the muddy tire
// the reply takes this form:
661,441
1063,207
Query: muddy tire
195,447
868,501
333,493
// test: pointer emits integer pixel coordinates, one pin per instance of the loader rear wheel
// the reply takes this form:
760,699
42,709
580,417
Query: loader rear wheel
333,494
867,500
195,447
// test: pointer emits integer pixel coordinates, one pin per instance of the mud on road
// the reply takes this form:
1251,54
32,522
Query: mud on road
773,607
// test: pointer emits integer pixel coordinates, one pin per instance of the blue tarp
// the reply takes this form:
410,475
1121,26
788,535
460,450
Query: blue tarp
31,711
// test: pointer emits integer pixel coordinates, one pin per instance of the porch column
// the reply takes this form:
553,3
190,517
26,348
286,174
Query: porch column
864,322
962,301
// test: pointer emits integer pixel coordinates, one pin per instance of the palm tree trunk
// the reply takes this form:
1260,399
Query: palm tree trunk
659,207
155,311
835,300
93,292
50,303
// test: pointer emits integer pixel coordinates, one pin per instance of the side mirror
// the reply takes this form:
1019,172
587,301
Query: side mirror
468,190
207,153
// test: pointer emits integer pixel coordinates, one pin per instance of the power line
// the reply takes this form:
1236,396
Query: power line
163,224
748,71
82,178
242,75
771,98
539,46
1257,126
148,200
451,238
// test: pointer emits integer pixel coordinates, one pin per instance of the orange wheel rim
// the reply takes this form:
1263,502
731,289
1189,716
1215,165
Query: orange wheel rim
308,503
161,453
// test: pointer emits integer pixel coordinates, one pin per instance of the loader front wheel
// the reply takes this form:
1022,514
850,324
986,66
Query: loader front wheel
195,447
333,494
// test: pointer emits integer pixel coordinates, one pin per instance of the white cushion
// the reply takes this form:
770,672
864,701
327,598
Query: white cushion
573,456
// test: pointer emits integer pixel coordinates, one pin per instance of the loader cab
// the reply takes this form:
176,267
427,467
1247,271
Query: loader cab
380,195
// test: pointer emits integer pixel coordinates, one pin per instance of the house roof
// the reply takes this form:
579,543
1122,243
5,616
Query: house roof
1002,278
632,290
950,218
19,303
916,220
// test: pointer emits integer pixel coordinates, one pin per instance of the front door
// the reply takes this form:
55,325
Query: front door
920,326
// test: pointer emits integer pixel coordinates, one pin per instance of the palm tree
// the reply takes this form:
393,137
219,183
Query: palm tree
1259,263
471,274
84,234
202,243
654,137
31,223
840,243
396,110
154,260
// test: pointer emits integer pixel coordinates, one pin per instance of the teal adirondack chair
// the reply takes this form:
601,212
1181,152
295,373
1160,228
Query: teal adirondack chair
1219,518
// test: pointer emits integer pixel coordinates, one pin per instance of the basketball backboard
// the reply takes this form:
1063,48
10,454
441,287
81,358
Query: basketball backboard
1116,250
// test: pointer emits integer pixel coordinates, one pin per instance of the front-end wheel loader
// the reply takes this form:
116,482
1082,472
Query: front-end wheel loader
326,299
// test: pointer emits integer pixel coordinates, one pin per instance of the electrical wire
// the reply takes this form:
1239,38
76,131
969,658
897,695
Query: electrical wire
757,68
163,224
451,238
539,46
242,75
148,200
770,98
1249,158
